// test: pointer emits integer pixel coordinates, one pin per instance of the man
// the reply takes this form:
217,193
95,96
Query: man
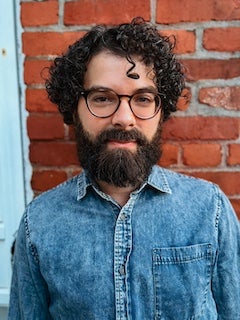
125,239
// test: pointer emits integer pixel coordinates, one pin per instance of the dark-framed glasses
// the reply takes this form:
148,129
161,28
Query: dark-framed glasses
103,103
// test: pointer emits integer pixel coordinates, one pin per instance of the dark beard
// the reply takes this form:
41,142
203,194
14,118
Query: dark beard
118,167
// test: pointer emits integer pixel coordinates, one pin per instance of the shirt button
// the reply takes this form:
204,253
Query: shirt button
122,216
122,270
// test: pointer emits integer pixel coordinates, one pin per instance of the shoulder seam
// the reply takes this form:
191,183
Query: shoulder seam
33,249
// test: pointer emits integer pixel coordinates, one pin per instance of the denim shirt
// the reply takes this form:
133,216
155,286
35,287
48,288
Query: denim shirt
171,252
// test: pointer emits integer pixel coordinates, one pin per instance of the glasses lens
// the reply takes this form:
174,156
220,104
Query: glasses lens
145,105
102,103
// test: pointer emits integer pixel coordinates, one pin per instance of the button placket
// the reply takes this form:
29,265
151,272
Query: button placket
122,250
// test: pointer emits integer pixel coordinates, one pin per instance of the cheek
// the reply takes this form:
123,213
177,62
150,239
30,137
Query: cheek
150,132
91,124
150,127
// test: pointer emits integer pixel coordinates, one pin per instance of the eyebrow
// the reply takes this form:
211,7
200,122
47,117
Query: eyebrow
143,89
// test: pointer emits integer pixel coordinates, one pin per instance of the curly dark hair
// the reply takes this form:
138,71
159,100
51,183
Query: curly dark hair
137,38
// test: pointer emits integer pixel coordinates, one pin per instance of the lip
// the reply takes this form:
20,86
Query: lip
125,144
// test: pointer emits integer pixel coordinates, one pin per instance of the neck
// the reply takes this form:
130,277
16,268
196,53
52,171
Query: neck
120,195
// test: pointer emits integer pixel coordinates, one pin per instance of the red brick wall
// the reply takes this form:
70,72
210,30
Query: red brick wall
202,140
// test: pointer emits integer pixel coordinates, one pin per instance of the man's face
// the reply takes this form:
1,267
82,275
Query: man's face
122,148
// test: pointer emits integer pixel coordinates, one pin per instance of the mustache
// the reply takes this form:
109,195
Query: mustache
122,135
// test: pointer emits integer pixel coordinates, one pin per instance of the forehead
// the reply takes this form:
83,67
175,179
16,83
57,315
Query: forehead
109,70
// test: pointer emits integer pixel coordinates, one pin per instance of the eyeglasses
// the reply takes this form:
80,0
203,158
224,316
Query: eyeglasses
103,103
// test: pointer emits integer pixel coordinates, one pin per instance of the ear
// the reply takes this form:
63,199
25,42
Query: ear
184,99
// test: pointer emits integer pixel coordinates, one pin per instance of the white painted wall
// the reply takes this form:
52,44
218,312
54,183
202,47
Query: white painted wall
14,166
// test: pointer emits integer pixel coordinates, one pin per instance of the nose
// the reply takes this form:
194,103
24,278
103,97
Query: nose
124,118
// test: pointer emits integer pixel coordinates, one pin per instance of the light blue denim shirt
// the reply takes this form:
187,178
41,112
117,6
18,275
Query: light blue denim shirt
172,252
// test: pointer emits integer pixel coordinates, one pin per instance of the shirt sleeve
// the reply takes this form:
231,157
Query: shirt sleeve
226,273
29,297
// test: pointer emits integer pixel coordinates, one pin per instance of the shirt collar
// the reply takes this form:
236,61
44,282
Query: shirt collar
83,182
157,179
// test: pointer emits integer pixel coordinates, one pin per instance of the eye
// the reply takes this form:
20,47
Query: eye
102,98
143,98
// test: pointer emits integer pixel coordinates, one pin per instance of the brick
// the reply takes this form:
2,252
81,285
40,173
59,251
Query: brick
223,97
71,133
37,101
51,153
45,127
201,128
201,155
178,11
185,40
222,39
35,71
48,43
169,155
76,172
184,100
47,179
212,69
229,182
236,206
233,154
30,13
104,12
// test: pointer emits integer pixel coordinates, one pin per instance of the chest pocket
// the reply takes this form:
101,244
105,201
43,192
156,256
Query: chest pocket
181,281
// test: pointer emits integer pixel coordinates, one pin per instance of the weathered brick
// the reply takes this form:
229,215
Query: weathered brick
48,43
201,128
53,153
184,100
45,127
39,13
169,155
35,71
229,182
222,39
185,40
178,11
43,180
233,155
202,154
212,69
224,97
104,12
37,101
